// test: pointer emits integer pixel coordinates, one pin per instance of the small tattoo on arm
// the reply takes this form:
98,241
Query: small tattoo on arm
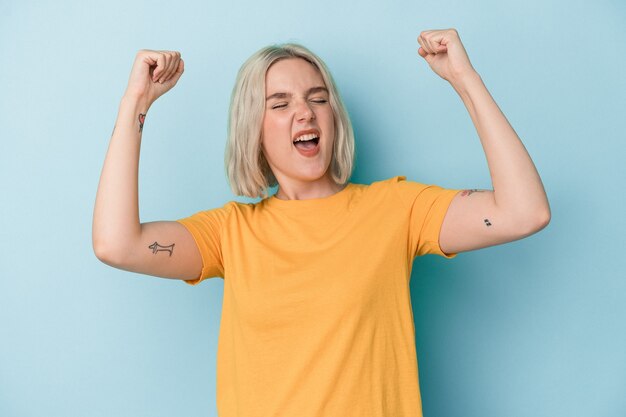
114,126
487,222
158,248
142,118
465,193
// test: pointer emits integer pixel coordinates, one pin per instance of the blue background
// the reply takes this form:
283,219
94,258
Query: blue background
531,328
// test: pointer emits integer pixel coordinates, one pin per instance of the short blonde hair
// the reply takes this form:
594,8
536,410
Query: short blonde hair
247,170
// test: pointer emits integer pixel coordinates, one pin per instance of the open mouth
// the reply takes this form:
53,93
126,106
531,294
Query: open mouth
307,141
307,144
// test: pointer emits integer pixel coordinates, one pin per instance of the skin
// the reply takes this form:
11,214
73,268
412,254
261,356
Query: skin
297,100
517,206
162,248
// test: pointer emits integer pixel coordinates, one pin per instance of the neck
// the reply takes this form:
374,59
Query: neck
307,191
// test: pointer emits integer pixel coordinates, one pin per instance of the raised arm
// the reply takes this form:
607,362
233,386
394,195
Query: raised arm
164,249
517,206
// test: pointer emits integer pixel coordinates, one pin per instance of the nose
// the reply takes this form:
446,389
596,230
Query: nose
304,112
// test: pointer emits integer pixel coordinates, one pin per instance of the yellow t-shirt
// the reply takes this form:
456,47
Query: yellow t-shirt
316,316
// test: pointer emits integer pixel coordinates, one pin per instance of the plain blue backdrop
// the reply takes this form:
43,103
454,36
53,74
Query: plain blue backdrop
531,328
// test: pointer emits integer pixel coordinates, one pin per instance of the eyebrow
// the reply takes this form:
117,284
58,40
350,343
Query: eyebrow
310,91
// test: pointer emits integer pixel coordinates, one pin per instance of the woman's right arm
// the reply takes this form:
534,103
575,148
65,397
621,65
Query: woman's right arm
165,248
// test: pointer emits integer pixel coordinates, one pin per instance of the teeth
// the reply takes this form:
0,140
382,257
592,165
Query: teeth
306,137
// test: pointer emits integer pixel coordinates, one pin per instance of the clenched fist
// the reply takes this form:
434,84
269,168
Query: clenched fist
445,54
154,73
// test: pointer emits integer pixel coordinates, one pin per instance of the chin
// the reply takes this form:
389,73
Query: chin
304,176
315,173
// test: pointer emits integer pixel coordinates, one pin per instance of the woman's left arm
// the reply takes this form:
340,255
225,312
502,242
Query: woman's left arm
517,206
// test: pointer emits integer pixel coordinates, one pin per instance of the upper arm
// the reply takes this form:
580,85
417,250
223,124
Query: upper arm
473,221
163,249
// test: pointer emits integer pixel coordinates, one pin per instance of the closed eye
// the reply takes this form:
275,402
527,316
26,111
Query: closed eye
279,106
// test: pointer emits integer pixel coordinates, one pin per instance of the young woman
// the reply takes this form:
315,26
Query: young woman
317,317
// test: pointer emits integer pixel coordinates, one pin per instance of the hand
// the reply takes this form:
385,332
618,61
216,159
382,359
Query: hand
154,73
445,54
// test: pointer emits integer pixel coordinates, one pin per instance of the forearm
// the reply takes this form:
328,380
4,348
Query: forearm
116,211
518,190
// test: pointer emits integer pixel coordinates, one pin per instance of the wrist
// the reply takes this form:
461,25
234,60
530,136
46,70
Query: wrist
141,104
465,81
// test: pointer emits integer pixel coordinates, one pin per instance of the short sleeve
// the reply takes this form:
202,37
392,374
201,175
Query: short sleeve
206,228
426,207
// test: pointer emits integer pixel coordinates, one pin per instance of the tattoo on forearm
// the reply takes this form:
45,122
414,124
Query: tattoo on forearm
158,248
487,222
465,193
142,118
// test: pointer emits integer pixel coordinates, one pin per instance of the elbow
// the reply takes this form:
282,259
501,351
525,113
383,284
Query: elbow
536,222
106,252
544,219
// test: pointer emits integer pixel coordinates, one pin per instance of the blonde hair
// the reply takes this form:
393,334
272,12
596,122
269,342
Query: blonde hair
247,170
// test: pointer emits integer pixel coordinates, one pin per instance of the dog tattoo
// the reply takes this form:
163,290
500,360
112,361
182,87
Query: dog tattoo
158,248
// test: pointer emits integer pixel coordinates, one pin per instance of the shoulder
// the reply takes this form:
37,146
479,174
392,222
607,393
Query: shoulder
238,209
399,187
213,215
408,192
399,181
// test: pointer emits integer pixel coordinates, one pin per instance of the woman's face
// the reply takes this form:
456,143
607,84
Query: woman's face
297,107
